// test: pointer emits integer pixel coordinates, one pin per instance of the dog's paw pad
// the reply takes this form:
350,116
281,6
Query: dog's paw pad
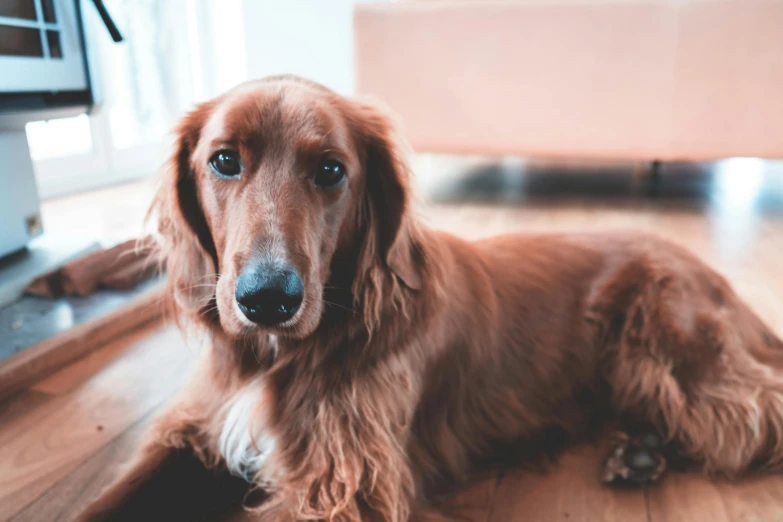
634,460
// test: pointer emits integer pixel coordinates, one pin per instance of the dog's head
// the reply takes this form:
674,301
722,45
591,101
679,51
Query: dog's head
272,188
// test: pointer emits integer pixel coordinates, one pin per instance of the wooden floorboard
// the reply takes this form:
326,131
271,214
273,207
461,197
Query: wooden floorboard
569,490
691,497
75,490
47,442
19,404
68,379
752,499
474,502
36,362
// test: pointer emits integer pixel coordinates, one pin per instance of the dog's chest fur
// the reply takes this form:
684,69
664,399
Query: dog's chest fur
245,442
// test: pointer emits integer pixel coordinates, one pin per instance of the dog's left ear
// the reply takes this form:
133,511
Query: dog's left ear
388,193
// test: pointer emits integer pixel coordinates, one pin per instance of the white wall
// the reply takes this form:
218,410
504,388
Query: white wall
312,38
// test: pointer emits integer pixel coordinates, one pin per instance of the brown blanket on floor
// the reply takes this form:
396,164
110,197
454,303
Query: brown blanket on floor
120,267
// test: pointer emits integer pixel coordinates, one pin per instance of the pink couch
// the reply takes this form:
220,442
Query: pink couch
612,79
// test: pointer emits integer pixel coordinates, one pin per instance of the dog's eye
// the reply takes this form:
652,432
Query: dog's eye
226,163
330,172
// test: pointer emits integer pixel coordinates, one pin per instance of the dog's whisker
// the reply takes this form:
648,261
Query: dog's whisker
330,303
207,310
207,276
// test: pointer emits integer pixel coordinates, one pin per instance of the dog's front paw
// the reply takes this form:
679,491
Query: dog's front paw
634,460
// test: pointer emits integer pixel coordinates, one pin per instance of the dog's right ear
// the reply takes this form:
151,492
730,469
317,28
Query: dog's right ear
189,251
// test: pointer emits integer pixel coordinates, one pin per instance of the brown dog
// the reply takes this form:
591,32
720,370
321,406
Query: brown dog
360,361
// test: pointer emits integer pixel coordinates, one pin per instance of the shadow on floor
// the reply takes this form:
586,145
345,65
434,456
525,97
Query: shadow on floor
739,183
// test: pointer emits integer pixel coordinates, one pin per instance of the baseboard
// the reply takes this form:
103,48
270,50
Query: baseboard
37,362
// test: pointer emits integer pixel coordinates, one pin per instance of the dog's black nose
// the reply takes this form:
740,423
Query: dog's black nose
269,297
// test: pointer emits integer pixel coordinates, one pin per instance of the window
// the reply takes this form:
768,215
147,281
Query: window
167,63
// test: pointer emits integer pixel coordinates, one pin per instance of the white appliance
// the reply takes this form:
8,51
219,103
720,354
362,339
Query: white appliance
44,74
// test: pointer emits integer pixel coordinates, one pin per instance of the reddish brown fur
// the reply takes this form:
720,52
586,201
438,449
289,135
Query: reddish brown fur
419,355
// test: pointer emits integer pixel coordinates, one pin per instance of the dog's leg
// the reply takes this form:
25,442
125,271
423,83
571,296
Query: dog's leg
109,505
167,483
634,457
168,479
687,355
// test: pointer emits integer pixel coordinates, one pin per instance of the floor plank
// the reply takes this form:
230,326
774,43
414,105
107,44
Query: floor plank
74,491
471,503
14,409
686,497
46,443
70,377
756,499
29,366
570,490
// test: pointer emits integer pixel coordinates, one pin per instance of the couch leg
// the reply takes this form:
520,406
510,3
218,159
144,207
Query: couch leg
655,178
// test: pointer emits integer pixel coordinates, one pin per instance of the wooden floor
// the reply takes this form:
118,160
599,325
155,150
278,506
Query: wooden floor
61,439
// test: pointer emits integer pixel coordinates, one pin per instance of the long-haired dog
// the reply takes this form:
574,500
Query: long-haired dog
360,361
